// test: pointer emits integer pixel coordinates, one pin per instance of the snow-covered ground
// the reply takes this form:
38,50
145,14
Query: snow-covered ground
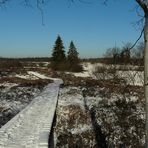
85,114
38,75
132,77
16,96
73,127
32,75
118,118
31,127
121,119
88,70
129,73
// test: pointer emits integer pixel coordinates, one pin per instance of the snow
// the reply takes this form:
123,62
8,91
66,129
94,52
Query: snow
128,72
38,75
132,77
120,116
88,70
8,85
29,77
41,76
73,97
81,128
32,75
73,120
30,128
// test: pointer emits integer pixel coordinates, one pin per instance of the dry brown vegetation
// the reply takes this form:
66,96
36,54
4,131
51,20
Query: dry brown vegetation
25,82
69,119
112,85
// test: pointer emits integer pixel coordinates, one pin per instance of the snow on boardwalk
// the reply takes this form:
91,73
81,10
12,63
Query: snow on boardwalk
31,127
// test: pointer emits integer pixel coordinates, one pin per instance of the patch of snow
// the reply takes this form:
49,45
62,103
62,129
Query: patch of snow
28,77
88,70
8,86
93,100
71,96
81,128
32,75
81,74
38,75
132,77
73,120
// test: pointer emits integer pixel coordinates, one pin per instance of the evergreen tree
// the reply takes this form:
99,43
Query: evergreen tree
58,55
72,58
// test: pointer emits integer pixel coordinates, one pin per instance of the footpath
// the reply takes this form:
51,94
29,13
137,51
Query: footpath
31,127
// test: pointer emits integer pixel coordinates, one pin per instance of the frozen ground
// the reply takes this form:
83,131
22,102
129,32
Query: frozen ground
87,115
31,127
16,96
73,127
111,116
129,73
132,77
99,120
88,70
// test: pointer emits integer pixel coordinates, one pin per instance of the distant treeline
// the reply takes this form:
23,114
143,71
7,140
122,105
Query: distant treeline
30,59
105,60
93,60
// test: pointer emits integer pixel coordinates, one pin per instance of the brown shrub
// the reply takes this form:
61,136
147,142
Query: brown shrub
25,82
10,64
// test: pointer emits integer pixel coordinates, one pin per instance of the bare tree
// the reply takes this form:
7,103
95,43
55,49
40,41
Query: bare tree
126,53
113,54
144,6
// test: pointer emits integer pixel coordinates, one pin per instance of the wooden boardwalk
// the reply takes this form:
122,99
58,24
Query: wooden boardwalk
31,127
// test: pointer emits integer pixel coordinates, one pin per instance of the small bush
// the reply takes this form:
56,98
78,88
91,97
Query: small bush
59,67
24,82
104,73
74,67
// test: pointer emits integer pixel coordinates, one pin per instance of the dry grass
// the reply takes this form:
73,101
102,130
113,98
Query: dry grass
111,86
70,118
25,82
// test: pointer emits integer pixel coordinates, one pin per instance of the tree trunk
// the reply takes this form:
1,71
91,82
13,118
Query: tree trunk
146,75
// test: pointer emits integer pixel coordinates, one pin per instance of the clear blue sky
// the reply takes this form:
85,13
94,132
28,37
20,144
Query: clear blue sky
93,27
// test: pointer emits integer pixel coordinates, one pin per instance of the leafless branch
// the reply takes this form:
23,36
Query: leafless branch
137,11
142,5
137,40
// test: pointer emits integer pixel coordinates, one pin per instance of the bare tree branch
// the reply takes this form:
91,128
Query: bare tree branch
137,40
142,5
138,11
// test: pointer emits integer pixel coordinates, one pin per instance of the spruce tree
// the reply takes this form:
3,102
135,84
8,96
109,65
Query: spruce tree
58,55
72,58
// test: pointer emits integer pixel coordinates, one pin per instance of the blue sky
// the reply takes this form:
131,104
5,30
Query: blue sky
93,27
